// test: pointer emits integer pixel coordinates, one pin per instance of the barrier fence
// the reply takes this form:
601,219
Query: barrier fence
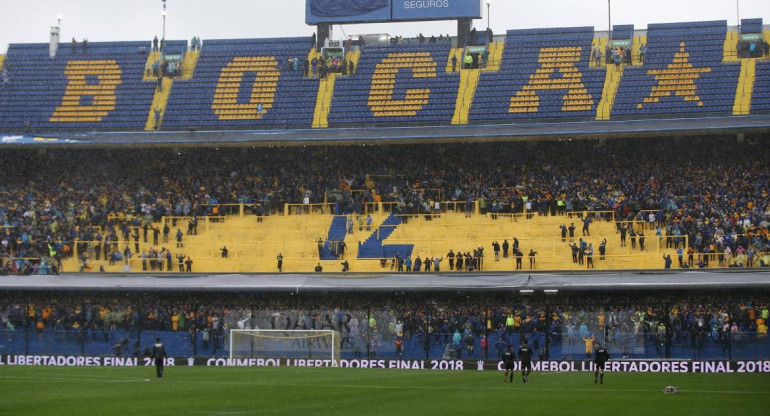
372,333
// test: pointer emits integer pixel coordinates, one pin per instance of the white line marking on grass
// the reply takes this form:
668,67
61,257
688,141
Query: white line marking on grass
526,386
551,373
74,376
60,379
138,380
517,385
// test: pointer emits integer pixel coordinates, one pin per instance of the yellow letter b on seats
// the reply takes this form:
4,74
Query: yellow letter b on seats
72,109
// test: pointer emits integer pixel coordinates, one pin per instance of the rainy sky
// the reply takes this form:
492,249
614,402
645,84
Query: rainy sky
110,20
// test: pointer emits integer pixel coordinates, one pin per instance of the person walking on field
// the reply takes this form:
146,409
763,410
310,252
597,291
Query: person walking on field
159,354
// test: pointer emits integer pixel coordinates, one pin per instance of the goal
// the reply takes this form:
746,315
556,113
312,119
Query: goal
319,344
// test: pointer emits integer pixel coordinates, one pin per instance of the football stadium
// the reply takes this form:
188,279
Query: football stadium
378,224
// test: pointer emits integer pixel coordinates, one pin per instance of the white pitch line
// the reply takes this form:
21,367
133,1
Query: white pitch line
60,379
526,386
214,412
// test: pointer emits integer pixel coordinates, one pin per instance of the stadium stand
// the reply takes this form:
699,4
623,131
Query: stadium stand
424,201
622,32
546,73
235,78
761,96
692,69
633,325
683,74
760,99
403,83
102,214
751,26
373,247
97,88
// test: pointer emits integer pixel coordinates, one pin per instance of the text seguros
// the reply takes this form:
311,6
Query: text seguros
426,4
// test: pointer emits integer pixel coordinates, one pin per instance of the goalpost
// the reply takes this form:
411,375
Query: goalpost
318,344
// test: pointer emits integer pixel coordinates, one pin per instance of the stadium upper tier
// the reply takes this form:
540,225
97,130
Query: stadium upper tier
687,70
546,75
233,77
682,73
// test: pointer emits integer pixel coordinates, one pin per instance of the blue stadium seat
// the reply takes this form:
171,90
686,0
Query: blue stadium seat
683,74
525,52
353,103
36,98
760,100
192,104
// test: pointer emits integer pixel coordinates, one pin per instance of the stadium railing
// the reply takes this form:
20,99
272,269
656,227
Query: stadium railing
300,209
381,344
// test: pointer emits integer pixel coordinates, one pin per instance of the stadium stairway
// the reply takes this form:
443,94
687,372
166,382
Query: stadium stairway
469,80
495,56
352,56
159,101
337,232
745,89
601,42
188,64
638,41
325,93
152,57
2,60
323,101
312,54
730,52
457,53
611,82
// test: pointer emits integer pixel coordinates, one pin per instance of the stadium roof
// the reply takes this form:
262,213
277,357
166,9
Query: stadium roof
382,135
615,280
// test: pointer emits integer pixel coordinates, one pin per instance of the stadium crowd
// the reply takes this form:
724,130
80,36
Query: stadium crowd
373,320
712,190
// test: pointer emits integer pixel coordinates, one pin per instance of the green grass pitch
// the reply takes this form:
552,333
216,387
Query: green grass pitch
189,391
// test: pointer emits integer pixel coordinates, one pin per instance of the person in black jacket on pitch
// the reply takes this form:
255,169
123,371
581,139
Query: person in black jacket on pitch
508,359
602,356
525,355
159,354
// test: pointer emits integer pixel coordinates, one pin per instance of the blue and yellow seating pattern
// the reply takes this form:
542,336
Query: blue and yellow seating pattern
234,78
544,74
398,83
683,73
97,89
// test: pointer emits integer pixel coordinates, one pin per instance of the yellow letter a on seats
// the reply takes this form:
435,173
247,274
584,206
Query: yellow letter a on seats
103,93
577,97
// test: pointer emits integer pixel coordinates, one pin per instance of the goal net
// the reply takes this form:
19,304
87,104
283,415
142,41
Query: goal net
271,343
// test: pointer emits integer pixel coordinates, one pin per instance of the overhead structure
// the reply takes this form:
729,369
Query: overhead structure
324,13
